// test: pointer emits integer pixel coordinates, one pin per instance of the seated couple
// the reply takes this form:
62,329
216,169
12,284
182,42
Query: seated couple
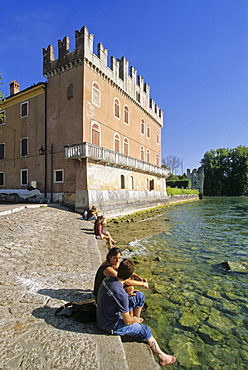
100,231
90,215
119,313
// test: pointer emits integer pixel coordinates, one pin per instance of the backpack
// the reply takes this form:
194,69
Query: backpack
82,311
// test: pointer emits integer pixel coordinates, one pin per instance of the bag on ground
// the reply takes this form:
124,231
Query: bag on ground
82,311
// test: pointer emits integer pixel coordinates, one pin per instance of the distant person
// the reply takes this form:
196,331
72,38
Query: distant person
92,214
101,233
113,312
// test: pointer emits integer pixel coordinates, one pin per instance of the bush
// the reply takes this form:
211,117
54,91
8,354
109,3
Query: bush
176,191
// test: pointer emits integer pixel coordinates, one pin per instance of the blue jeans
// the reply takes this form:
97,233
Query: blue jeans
137,300
137,330
91,218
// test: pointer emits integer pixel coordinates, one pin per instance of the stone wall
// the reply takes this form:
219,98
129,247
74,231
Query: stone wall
117,203
197,178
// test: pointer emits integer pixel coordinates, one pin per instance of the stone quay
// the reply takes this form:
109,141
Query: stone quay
49,256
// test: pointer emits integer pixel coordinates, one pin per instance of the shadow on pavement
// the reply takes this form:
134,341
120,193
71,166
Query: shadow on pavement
65,323
72,295
47,313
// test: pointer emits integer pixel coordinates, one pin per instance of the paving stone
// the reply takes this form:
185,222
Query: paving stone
48,256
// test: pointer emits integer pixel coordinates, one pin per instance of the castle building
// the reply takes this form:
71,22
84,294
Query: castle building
197,178
97,127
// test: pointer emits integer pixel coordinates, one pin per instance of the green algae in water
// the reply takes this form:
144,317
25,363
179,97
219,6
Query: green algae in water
196,309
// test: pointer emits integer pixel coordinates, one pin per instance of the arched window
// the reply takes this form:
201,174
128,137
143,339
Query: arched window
157,137
122,182
95,133
142,153
148,130
125,146
117,142
70,89
157,160
126,115
96,94
148,155
142,127
117,108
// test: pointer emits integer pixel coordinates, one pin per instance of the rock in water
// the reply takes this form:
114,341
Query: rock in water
234,266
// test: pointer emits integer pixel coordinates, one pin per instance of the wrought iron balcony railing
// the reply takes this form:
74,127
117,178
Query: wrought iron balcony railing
98,153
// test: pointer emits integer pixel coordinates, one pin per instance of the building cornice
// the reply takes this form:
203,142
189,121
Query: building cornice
21,96
105,77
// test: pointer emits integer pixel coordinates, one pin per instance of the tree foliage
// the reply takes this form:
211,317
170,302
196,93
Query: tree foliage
226,171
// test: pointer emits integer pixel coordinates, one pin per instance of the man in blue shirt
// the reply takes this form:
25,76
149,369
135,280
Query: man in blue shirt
114,316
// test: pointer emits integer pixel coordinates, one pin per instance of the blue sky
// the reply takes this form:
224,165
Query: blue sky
193,54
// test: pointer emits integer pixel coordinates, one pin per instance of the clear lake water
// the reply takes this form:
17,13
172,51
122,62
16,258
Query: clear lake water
197,309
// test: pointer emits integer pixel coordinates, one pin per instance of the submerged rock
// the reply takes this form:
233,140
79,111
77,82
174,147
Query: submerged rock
189,319
234,266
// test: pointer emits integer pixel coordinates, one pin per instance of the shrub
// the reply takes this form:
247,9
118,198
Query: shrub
176,191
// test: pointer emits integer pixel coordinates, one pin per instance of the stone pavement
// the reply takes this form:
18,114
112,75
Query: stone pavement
49,256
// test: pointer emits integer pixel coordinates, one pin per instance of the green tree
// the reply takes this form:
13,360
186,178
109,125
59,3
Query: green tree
226,171
239,171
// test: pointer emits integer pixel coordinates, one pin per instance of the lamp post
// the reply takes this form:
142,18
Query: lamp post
43,151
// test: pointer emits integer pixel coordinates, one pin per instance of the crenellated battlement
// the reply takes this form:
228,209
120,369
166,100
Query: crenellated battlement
197,178
119,74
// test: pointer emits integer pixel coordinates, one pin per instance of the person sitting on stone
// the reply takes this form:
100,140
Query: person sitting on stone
100,231
92,214
113,312
110,268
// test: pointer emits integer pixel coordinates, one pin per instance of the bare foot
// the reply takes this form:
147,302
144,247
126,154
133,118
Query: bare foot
166,359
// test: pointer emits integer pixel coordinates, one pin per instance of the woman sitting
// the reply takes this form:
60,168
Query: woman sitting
101,233
110,268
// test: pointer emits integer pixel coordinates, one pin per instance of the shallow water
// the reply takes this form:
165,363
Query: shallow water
196,308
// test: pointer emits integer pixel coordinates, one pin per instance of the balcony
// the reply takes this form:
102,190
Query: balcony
103,155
